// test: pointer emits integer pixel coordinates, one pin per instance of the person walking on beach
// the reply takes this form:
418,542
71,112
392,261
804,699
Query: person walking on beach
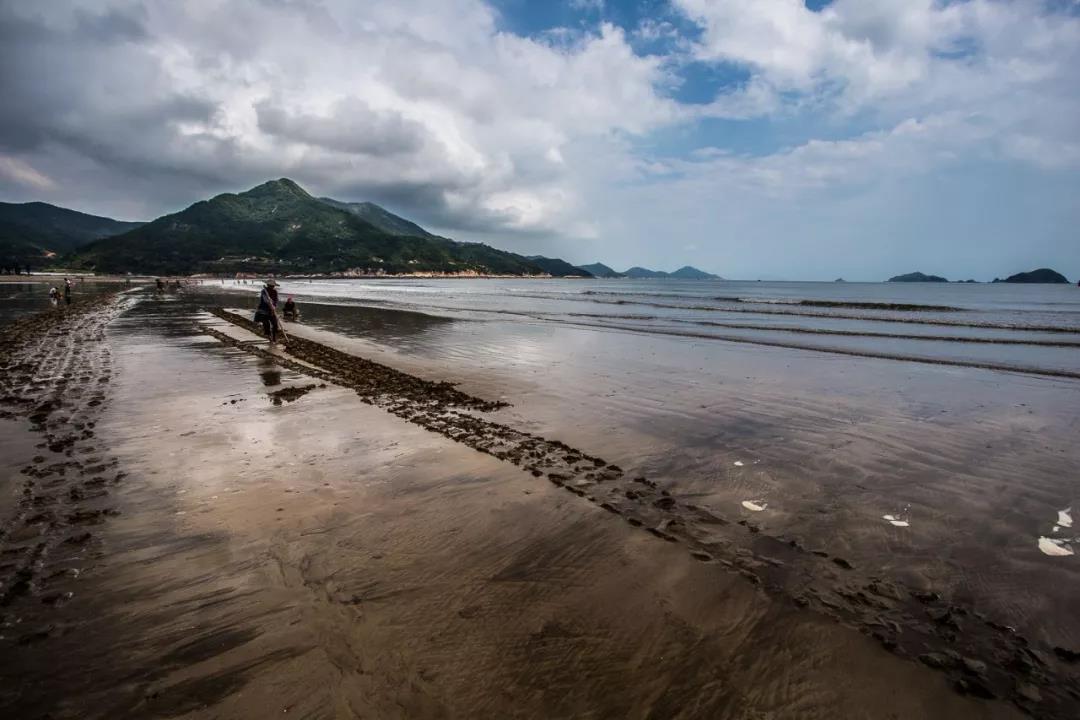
67,291
267,311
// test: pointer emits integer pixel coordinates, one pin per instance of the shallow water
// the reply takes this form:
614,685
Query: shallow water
971,464
1028,327
778,444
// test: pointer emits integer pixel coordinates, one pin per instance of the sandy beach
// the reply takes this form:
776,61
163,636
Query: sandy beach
196,525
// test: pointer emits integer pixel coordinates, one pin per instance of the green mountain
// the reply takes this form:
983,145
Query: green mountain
1042,275
600,270
278,227
380,218
917,277
640,272
33,233
557,267
687,272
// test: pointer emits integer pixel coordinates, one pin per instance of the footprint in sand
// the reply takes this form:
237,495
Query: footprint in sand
755,505
1059,546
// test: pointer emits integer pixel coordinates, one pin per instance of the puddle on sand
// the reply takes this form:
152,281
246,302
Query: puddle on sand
755,505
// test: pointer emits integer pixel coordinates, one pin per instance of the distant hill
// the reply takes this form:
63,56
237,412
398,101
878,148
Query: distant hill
1042,275
31,233
640,272
557,267
917,277
278,227
380,218
692,273
600,270
684,273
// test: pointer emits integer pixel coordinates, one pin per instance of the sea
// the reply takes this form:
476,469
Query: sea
1011,327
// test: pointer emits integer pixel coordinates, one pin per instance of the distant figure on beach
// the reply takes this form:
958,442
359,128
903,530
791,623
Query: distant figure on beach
67,291
291,313
160,285
54,296
267,311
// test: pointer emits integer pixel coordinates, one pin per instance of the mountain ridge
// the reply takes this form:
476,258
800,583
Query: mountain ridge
380,217
278,227
600,270
34,232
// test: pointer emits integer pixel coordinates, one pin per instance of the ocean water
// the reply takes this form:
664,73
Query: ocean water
925,432
1030,328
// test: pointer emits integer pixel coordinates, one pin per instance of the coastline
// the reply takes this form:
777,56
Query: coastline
354,511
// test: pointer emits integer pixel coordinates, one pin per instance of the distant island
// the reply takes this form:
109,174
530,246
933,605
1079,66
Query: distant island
1042,275
917,277
637,273
276,228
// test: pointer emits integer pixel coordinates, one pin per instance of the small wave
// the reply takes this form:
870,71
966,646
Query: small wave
841,316
850,352
897,307
872,334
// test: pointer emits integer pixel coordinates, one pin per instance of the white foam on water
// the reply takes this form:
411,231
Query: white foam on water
1057,548
754,506
1065,517
738,463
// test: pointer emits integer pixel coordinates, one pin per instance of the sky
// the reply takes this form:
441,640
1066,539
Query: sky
774,139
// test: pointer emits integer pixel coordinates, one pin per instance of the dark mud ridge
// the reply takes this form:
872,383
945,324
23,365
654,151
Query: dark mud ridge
54,374
981,656
290,394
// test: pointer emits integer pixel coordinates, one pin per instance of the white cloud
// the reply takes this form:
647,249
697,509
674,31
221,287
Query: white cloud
424,103
428,106
24,174
587,5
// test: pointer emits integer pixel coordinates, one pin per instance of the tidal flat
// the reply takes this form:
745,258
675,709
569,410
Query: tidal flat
409,512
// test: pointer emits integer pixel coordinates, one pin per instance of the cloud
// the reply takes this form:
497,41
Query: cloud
563,141
424,103
348,126
893,58
23,174
587,5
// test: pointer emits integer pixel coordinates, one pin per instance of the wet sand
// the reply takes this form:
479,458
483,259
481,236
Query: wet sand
234,532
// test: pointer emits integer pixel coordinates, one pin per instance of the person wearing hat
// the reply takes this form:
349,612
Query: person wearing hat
267,312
